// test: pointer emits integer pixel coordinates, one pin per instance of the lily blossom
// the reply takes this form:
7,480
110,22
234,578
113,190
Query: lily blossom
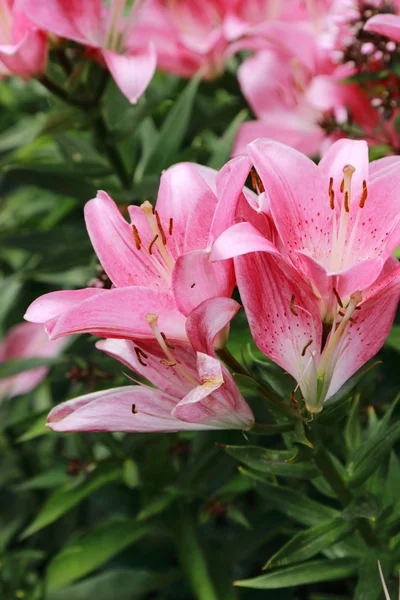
195,391
108,31
26,340
158,263
23,47
385,24
333,284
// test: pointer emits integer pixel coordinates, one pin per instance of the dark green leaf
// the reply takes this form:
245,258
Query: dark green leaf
92,549
273,462
306,544
223,147
69,495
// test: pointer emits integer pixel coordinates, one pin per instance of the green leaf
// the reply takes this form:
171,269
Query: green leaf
364,506
273,462
291,503
130,473
92,549
173,129
352,432
117,584
20,134
307,544
369,586
69,495
36,429
223,147
19,365
370,455
310,572
393,339
49,479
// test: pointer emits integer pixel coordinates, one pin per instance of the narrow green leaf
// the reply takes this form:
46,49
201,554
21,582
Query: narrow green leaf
173,129
157,504
310,572
352,432
19,365
273,462
291,503
49,479
306,544
36,429
69,495
92,549
370,455
369,586
223,146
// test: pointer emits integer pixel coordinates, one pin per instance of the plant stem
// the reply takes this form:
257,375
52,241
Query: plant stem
328,470
62,94
275,402
111,151
191,556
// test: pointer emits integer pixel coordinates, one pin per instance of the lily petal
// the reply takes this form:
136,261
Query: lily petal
54,304
207,320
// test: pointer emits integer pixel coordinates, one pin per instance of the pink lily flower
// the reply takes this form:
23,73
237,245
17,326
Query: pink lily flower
385,24
194,391
160,263
92,24
23,47
26,340
334,286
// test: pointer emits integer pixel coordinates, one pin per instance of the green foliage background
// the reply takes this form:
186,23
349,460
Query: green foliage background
157,516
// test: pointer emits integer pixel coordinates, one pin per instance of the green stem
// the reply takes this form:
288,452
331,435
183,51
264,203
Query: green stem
191,556
274,400
111,151
328,470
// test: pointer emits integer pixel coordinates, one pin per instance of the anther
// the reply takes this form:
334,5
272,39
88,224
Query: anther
134,409
168,363
140,355
303,352
160,228
342,186
293,397
153,241
346,202
331,194
136,237
164,337
256,182
364,194
338,298
292,309
170,226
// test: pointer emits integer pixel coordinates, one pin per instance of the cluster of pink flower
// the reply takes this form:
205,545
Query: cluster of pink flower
302,51
310,251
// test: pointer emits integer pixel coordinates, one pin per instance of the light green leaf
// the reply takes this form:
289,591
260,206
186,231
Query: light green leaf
310,572
223,146
69,495
393,340
306,544
36,429
48,479
173,129
92,549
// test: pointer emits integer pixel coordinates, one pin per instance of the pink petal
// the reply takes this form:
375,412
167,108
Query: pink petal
239,239
368,334
213,401
121,313
268,287
385,24
186,198
152,363
54,304
113,241
299,133
28,57
195,278
341,153
207,321
132,72
111,410
80,21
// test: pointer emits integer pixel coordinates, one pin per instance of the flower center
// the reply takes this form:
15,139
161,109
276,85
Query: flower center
344,232
157,251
